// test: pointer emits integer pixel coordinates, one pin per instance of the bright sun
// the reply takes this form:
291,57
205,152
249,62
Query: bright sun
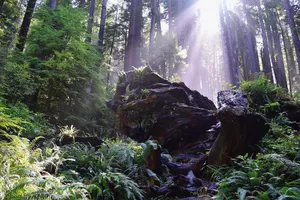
208,15
209,18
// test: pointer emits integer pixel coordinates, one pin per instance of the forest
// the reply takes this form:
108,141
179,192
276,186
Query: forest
149,99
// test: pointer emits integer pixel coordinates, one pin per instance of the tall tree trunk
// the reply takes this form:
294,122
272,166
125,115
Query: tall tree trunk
132,53
288,60
179,34
291,63
139,25
253,65
25,24
162,63
170,13
293,67
224,45
272,50
232,57
158,19
52,4
152,27
267,68
229,53
243,50
91,20
245,66
102,24
112,44
291,21
255,51
279,57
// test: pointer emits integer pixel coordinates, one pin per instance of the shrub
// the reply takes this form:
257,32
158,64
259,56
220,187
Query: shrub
22,174
261,91
18,119
116,168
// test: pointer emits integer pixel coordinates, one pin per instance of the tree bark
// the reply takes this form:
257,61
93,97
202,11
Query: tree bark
178,29
288,60
253,65
91,20
25,24
279,57
132,53
162,63
232,57
226,72
112,45
229,54
151,54
102,24
152,27
158,20
291,21
267,68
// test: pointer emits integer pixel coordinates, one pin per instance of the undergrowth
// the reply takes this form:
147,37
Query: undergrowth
18,119
261,91
117,169
75,171
274,173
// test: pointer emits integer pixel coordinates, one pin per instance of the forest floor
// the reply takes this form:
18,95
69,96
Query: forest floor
36,168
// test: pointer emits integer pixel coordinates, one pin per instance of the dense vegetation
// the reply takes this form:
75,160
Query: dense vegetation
60,61
274,172
117,169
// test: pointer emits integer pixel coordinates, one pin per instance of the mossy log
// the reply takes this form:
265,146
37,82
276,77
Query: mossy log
150,106
241,129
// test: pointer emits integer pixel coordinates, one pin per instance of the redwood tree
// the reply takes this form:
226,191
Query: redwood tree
291,21
102,24
267,68
25,24
253,65
91,20
132,52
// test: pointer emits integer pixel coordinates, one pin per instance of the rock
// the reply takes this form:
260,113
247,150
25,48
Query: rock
292,110
241,129
178,125
232,98
179,186
151,107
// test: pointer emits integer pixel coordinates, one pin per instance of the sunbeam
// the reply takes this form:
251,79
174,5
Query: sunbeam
204,41
209,15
